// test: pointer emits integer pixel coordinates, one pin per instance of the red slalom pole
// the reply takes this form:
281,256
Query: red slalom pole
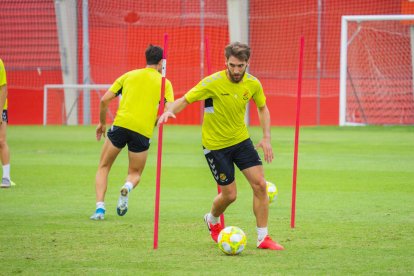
295,155
159,152
209,72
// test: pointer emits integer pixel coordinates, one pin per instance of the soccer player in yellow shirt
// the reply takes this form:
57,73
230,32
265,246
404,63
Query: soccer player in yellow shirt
225,138
4,148
133,125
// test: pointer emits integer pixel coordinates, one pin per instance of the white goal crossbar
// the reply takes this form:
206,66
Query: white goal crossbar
345,42
65,87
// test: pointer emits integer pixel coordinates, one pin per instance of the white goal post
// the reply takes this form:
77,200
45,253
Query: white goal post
63,103
376,70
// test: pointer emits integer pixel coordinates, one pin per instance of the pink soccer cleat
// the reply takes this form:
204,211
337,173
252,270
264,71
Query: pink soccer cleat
268,243
214,229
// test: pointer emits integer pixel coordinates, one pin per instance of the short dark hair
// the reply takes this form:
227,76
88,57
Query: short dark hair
238,50
153,54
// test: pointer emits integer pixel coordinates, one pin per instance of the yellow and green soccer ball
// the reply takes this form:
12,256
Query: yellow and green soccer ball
271,191
232,240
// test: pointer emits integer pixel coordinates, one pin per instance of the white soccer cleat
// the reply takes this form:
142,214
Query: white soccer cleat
122,207
98,215
6,183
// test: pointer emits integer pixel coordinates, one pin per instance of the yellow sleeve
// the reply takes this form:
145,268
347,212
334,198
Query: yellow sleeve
169,92
116,87
199,92
259,96
3,79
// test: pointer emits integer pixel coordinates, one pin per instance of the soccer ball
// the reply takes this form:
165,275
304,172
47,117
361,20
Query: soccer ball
232,240
271,191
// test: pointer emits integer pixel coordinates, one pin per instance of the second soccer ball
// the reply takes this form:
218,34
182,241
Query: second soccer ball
271,191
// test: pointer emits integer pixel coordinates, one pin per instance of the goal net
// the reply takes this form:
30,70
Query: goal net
376,75
75,104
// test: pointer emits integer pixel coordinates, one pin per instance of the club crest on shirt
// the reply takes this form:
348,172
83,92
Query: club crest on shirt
246,95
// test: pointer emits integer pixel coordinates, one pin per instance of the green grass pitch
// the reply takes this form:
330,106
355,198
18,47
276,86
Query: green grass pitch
355,206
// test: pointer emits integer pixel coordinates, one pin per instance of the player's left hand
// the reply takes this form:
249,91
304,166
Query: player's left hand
267,149
100,130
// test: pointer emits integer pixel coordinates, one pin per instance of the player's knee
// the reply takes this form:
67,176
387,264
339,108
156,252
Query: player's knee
259,187
233,197
104,166
230,196
3,143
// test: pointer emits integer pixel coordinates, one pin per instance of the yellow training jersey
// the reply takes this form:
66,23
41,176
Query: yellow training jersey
225,107
3,80
141,93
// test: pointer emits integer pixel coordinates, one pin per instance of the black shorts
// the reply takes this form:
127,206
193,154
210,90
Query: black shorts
221,161
4,116
120,137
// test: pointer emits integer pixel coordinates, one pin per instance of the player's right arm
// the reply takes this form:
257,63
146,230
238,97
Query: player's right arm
3,87
199,92
173,109
103,108
3,95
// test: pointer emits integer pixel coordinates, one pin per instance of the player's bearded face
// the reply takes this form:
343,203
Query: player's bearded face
236,69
